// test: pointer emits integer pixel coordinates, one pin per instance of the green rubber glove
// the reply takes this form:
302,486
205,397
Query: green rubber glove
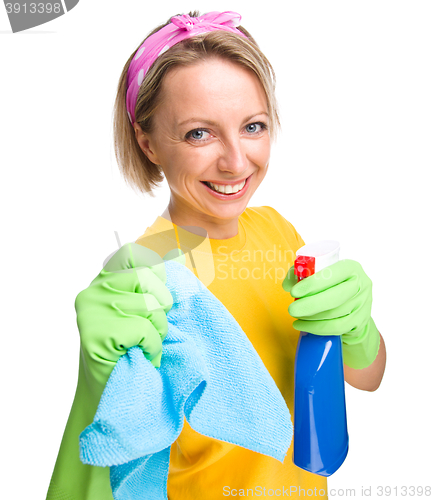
124,306
337,301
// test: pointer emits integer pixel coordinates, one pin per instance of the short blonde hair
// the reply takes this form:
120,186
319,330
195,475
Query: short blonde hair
137,170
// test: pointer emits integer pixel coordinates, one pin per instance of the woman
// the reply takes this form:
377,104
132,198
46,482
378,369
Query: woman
196,105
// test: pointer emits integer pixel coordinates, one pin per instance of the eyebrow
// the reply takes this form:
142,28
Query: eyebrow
210,122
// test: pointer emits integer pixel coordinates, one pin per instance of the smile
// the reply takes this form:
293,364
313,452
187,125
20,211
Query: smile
226,191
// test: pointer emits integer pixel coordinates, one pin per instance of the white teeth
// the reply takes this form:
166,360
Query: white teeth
228,189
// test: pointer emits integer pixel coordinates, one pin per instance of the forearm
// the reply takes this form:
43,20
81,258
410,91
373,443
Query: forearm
369,378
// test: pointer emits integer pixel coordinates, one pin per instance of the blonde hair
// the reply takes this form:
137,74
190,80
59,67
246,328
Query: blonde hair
137,170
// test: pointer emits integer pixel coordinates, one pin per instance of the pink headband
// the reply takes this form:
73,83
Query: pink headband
180,28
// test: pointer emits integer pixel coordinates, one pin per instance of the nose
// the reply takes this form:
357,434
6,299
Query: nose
233,157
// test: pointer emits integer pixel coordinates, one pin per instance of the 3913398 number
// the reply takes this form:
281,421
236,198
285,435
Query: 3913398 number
33,8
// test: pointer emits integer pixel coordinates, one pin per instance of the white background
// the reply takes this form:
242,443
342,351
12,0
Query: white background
353,163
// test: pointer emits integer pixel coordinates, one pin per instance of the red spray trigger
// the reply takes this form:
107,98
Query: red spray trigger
304,266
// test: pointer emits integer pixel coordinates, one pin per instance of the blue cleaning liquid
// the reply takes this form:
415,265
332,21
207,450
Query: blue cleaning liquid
321,440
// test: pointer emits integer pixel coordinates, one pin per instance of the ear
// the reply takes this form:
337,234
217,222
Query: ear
146,144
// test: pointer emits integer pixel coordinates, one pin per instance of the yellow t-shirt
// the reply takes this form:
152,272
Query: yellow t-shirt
245,273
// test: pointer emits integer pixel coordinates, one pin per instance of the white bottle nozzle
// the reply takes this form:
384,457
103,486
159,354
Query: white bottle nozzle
325,253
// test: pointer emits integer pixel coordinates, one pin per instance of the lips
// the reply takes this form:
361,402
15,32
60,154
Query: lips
222,196
226,188
226,183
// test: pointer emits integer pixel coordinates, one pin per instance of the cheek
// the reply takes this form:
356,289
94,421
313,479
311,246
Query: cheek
193,161
261,152
184,169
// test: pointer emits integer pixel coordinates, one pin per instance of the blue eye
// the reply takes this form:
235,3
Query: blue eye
252,127
197,134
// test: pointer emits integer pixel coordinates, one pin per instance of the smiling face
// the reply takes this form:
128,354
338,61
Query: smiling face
212,126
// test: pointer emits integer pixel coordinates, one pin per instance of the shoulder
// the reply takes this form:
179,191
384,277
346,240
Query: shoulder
267,215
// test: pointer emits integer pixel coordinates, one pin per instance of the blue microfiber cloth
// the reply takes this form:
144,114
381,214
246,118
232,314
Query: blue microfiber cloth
210,373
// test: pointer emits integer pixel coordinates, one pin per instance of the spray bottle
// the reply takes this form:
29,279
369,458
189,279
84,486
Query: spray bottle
320,426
